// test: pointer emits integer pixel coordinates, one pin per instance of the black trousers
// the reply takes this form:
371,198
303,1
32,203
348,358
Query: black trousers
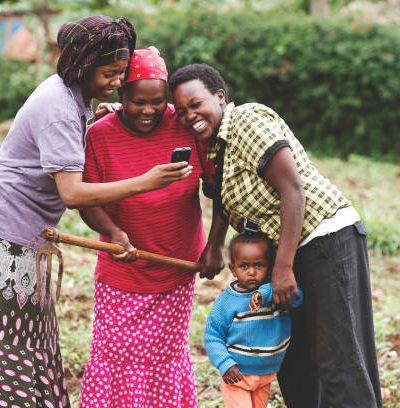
331,361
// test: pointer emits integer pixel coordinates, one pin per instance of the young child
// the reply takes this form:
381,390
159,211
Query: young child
246,336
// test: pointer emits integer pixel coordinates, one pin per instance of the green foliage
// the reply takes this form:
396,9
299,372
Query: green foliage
58,4
199,317
72,223
383,237
17,80
334,81
369,185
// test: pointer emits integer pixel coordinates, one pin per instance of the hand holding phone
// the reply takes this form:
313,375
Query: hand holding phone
181,154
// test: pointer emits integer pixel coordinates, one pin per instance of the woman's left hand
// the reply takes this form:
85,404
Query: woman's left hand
284,285
120,237
212,260
104,108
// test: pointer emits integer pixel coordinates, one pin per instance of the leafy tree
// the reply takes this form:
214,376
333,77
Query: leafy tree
59,4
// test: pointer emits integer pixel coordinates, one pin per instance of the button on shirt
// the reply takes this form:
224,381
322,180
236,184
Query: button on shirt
47,137
252,134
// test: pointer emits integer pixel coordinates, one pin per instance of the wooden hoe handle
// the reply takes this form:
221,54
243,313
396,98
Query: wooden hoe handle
53,235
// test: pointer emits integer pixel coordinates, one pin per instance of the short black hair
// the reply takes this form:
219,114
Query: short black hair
245,238
210,77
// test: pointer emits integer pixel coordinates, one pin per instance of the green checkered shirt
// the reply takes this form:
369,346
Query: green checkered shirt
253,133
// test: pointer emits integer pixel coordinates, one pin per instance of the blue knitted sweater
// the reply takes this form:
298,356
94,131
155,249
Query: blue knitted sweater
256,341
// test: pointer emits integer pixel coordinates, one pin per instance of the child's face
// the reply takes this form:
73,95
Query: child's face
250,264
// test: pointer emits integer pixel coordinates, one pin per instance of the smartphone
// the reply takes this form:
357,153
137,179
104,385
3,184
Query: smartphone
181,154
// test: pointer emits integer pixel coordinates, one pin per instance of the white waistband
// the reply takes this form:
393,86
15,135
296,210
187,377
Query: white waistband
343,218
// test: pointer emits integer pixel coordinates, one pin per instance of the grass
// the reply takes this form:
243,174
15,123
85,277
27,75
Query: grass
372,186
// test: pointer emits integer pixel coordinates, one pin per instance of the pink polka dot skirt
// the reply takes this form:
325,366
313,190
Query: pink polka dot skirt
140,356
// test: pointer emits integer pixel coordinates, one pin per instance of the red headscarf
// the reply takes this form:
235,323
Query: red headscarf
147,64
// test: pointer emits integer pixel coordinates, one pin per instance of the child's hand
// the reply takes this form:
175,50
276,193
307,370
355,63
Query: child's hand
255,301
233,375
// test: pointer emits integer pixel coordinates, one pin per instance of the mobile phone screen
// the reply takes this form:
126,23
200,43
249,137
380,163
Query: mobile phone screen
181,154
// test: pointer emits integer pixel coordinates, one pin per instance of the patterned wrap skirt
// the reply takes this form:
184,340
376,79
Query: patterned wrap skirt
31,372
140,355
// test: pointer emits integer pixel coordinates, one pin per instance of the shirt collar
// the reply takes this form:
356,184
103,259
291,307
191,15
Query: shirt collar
84,110
223,132
233,286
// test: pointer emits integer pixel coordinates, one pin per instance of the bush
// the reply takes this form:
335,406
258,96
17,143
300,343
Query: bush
17,80
335,82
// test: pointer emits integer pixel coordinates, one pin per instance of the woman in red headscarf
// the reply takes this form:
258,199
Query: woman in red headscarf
139,354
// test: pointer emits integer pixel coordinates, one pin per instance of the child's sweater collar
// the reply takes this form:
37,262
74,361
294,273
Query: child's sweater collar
239,292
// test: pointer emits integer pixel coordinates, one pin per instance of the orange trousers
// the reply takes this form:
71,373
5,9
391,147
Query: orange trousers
251,392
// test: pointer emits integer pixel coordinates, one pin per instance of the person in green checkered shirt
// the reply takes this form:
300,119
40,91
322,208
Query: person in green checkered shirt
264,177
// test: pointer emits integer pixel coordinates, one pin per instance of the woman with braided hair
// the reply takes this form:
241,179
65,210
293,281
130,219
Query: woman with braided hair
41,164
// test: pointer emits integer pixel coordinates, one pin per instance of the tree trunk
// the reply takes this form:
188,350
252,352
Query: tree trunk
319,8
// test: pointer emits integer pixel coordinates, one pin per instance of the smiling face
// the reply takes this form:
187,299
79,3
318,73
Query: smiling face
101,81
249,264
198,109
144,103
